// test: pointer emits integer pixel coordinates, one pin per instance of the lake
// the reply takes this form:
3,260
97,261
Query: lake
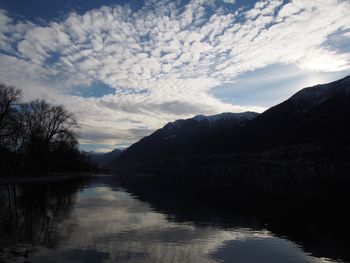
98,220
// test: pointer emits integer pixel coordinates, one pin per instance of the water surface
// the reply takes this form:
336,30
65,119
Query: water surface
99,221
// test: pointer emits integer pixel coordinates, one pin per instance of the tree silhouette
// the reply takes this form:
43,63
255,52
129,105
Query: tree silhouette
9,99
46,127
37,137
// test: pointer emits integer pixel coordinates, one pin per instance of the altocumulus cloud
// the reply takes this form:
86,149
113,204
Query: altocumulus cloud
164,59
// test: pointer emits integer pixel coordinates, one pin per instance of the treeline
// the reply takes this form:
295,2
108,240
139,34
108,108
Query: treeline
37,137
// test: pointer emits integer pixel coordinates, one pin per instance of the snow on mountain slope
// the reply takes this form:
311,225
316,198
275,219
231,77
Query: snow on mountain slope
318,94
212,119
225,116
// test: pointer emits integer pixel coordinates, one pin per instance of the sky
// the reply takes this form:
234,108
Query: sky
126,68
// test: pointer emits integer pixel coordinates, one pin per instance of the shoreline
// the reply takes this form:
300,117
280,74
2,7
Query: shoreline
56,177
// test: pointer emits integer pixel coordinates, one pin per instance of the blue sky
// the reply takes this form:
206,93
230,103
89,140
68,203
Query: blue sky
126,68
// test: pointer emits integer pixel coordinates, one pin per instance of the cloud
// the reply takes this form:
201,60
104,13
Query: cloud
229,1
165,58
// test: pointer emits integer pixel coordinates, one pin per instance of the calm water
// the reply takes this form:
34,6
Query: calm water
99,221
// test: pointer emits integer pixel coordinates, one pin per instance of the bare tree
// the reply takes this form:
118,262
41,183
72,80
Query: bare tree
49,123
46,127
9,99
41,128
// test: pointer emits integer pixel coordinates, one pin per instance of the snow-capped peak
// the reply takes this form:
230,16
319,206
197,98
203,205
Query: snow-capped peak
173,126
225,116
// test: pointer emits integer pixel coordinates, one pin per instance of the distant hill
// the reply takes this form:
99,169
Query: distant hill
312,124
101,159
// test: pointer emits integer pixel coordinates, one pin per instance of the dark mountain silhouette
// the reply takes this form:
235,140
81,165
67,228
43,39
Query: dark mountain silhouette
312,124
316,117
183,137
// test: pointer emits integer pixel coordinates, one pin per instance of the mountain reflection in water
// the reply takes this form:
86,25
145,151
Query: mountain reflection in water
99,221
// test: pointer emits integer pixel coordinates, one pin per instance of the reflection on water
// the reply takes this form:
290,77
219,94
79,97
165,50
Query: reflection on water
101,222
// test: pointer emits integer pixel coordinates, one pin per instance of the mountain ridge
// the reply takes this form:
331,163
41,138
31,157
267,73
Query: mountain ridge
181,136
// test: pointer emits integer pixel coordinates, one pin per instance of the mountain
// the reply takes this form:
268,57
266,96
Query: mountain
317,115
313,124
101,159
181,137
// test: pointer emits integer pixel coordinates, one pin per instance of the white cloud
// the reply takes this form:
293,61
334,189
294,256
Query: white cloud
163,60
347,34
